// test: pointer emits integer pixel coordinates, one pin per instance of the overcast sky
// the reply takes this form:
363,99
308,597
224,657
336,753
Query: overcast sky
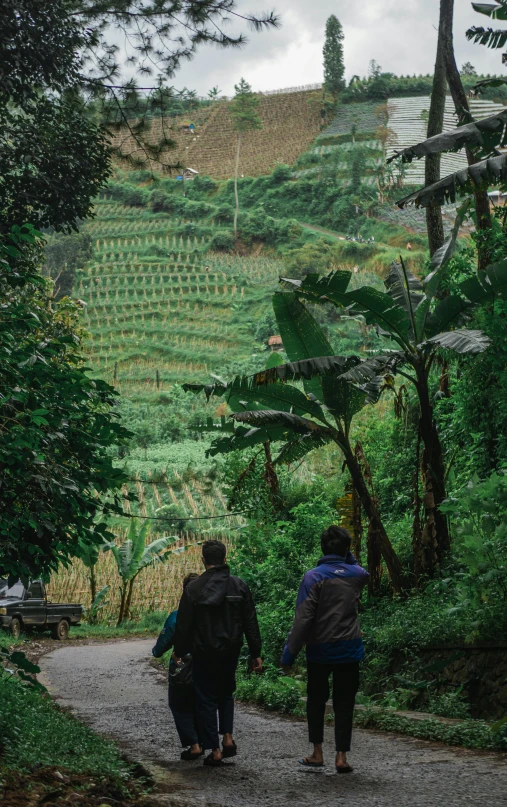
401,36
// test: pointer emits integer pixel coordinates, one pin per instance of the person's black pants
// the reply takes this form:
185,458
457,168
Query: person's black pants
345,686
215,684
182,703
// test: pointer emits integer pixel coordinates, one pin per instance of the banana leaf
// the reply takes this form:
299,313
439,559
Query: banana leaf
479,175
496,11
316,286
461,341
406,290
210,390
279,396
305,369
302,336
369,369
442,255
244,437
482,137
451,311
296,450
489,82
379,309
490,37
343,399
271,417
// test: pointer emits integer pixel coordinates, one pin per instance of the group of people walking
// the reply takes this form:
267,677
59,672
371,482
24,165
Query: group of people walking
216,613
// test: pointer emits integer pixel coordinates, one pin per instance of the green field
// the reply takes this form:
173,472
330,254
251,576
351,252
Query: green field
153,307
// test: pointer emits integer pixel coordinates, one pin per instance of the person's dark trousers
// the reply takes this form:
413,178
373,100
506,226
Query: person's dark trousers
215,684
345,686
182,703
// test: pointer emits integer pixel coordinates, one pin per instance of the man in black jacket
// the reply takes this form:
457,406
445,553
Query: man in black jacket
215,612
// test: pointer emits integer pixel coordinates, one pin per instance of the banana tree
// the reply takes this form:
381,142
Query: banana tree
133,556
89,555
266,408
410,314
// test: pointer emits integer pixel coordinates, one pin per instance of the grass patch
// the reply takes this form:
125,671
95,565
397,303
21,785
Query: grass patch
468,733
35,733
278,693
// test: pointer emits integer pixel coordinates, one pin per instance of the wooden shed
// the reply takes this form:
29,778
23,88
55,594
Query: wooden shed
275,343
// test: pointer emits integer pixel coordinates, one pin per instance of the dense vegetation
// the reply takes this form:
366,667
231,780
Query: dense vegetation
383,407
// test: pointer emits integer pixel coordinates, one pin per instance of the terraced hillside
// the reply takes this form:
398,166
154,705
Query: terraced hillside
290,123
160,311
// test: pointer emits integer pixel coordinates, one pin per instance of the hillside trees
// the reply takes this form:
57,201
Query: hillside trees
56,423
244,112
64,255
411,315
277,412
334,67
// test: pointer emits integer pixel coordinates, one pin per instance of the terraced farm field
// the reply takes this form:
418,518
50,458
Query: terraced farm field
158,309
161,311
290,121
158,588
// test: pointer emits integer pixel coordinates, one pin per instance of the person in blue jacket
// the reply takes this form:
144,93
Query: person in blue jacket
181,698
326,621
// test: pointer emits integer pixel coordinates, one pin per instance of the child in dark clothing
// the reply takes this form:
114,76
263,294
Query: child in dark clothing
181,697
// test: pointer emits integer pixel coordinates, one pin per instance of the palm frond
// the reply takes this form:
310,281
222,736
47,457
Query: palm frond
481,137
296,450
406,290
461,341
306,368
477,176
496,11
271,417
282,397
490,37
302,336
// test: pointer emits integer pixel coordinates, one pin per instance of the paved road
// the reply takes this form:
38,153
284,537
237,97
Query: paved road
113,688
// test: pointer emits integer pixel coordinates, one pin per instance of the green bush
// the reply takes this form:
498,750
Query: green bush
34,732
223,241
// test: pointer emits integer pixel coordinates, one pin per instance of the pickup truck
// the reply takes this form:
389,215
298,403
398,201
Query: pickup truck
22,607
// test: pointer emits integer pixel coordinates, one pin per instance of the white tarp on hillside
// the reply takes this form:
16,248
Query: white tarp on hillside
408,122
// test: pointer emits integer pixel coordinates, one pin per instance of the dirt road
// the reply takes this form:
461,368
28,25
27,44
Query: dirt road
115,690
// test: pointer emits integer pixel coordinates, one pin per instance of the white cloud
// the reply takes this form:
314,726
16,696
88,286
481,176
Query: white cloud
400,36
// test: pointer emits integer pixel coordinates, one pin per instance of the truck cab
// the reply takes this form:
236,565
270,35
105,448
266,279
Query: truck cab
28,607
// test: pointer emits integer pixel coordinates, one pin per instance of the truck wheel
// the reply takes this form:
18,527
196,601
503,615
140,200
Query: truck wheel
16,627
60,631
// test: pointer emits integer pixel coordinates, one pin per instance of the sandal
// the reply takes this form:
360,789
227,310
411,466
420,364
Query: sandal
344,768
188,756
212,762
229,750
307,764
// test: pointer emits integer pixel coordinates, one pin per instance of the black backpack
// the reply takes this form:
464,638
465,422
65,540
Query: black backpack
181,675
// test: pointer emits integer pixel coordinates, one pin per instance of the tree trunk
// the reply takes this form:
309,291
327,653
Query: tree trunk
434,540
121,615
271,477
129,599
236,187
93,583
434,223
459,97
93,594
392,562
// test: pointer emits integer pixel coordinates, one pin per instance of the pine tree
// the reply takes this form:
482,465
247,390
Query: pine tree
244,112
334,67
